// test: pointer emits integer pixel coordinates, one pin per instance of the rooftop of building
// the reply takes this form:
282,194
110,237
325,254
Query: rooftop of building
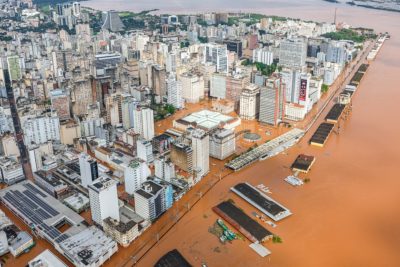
88,246
76,201
102,183
182,146
172,258
9,163
207,119
50,179
71,170
46,259
21,239
221,133
40,210
128,219
162,137
149,189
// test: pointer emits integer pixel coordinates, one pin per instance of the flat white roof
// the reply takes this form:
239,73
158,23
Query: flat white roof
89,245
260,249
207,119
77,201
48,259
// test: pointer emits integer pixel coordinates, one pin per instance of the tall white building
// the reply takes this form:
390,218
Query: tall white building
174,91
218,85
293,53
298,101
41,129
88,168
164,168
250,102
35,158
222,143
263,55
216,54
145,150
272,101
103,197
192,87
201,152
144,122
171,62
136,174
150,200
128,105
291,78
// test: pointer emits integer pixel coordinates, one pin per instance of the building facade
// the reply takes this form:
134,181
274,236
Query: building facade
250,102
103,197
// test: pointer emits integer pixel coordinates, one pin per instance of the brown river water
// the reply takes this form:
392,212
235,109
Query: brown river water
349,214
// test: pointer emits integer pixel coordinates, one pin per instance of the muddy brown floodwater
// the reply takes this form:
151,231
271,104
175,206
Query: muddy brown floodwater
349,214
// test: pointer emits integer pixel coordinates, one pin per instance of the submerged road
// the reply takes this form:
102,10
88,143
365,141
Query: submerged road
19,135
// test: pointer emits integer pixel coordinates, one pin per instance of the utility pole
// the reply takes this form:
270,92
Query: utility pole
334,19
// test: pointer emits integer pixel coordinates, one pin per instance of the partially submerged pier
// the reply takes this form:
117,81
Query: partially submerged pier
267,150
265,204
321,135
251,229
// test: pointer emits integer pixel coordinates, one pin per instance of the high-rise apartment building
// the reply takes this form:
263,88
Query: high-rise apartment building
103,197
207,69
192,87
145,150
263,55
234,46
201,148
164,168
144,122
158,75
293,53
171,62
336,53
291,79
88,168
272,101
67,14
113,105
218,85
136,174
235,83
128,105
60,103
222,143
182,155
41,129
250,102
150,200
216,54
174,92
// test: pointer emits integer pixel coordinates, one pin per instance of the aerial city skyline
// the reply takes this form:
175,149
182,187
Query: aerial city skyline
259,133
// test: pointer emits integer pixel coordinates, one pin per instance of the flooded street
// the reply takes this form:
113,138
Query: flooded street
348,215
